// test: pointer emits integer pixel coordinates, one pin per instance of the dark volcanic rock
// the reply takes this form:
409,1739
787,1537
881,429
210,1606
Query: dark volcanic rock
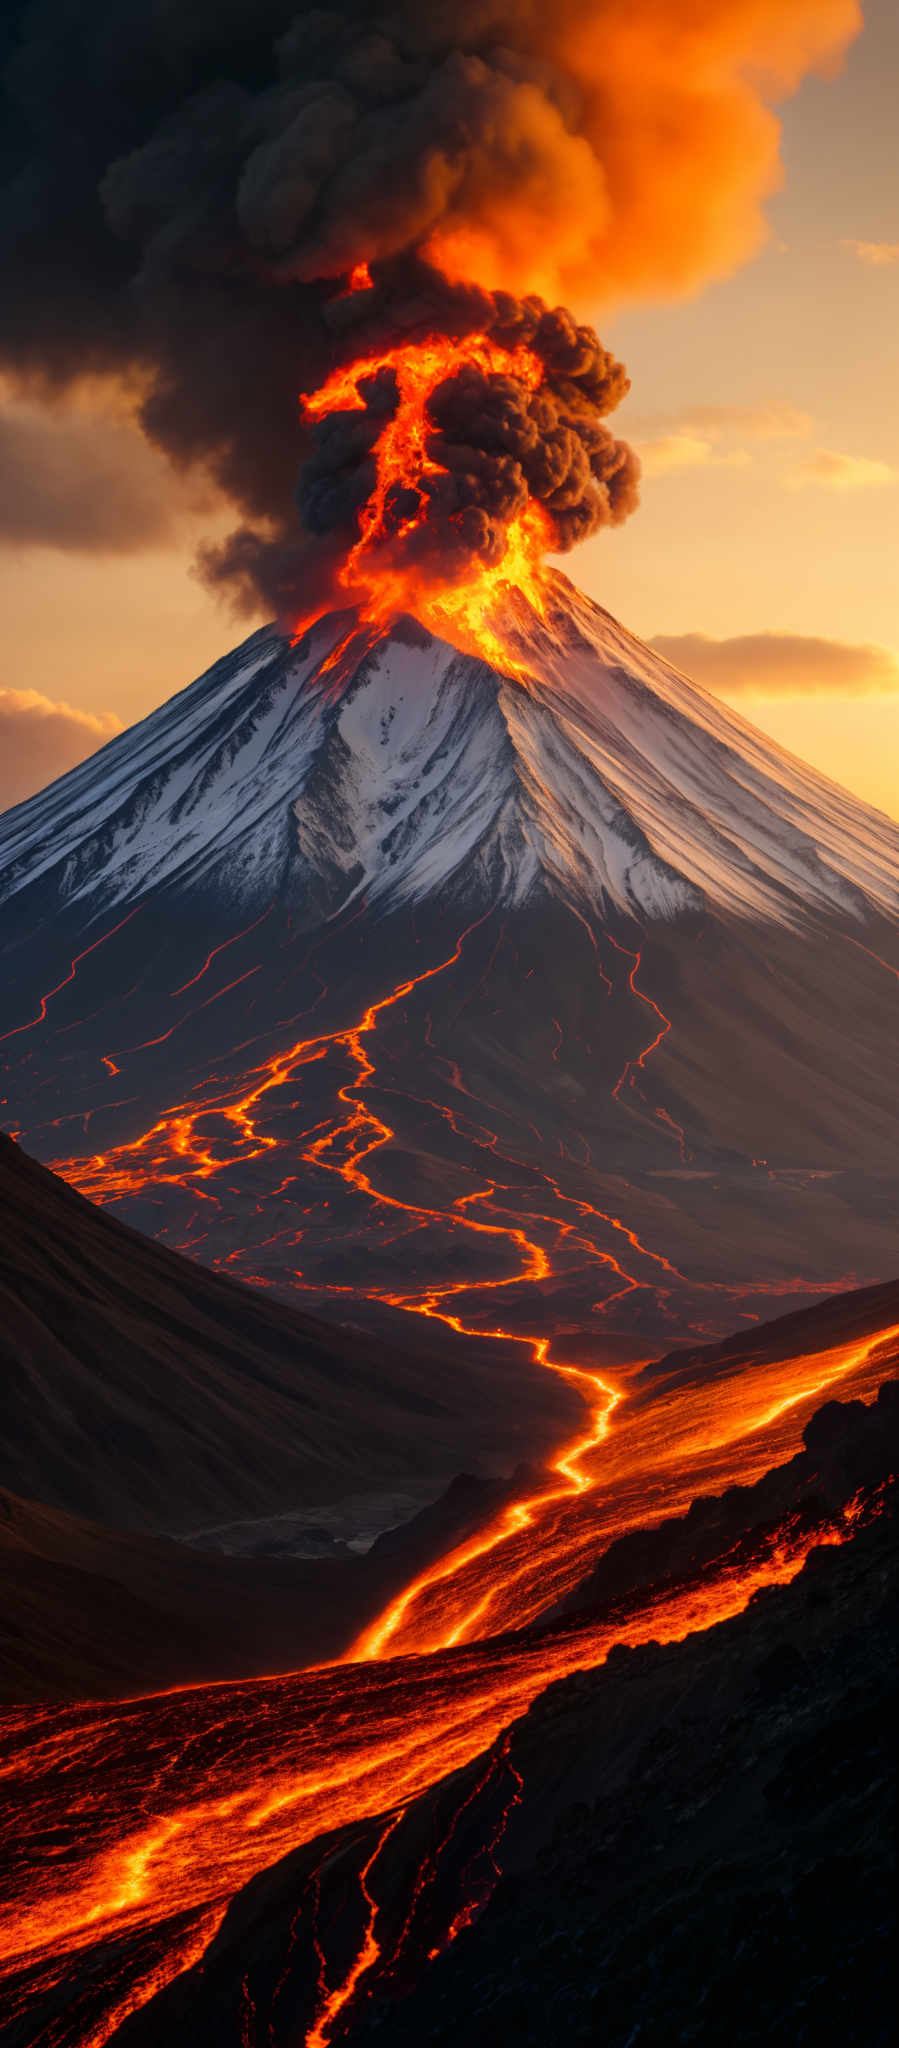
848,1445
704,1850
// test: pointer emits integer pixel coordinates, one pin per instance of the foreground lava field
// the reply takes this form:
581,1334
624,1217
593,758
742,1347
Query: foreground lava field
130,1828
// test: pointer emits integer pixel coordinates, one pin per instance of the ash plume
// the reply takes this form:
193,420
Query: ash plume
187,192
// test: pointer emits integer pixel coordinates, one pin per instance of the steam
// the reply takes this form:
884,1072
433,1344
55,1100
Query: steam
190,189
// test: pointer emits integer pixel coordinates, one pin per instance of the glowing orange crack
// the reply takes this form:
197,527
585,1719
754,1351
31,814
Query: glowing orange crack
44,1000
518,1515
320,2033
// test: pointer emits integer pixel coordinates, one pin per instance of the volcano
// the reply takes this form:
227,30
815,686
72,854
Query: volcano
394,770
537,995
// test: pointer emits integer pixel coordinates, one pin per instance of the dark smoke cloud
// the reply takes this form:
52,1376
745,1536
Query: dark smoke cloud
498,444
187,188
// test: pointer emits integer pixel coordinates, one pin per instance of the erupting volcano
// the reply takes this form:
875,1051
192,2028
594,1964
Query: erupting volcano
498,1007
490,455
406,469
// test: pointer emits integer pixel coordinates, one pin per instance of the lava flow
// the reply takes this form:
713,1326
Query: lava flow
130,1827
158,1812
500,1577
256,199
173,1148
668,1446
171,1805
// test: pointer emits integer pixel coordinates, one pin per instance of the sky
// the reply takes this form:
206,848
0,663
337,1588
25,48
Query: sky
762,560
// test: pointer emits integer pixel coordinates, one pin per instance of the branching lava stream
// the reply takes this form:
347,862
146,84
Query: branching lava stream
140,1821
501,1577
132,1826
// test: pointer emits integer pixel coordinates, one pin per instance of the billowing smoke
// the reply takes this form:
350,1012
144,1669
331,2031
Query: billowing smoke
189,190
497,421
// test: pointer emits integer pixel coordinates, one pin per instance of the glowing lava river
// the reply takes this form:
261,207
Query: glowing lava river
130,1828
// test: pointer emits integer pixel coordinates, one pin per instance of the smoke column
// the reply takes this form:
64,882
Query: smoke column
225,205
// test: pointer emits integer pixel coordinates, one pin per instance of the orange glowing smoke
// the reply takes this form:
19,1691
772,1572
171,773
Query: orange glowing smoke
380,586
652,180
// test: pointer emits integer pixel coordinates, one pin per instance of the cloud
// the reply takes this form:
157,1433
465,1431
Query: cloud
40,739
833,471
877,255
80,476
773,419
691,437
79,484
782,664
686,451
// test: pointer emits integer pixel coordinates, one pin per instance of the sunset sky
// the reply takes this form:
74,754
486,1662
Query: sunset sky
763,559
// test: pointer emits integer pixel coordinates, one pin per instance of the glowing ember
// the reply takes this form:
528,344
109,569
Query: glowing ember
360,278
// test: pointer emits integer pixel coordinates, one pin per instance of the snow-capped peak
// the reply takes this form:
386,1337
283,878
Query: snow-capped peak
401,768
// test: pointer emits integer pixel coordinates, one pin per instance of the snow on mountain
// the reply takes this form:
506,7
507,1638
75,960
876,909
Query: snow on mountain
403,769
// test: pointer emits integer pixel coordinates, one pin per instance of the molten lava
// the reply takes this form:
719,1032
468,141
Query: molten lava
536,1549
381,572
130,1827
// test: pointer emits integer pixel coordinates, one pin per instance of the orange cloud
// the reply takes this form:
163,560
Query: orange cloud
877,255
40,739
690,438
599,150
782,664
833,471
654,180
673,452
773,419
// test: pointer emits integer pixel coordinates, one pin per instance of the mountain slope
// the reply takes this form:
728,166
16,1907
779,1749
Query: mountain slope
146,1393
408,767
88,1612
363,969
